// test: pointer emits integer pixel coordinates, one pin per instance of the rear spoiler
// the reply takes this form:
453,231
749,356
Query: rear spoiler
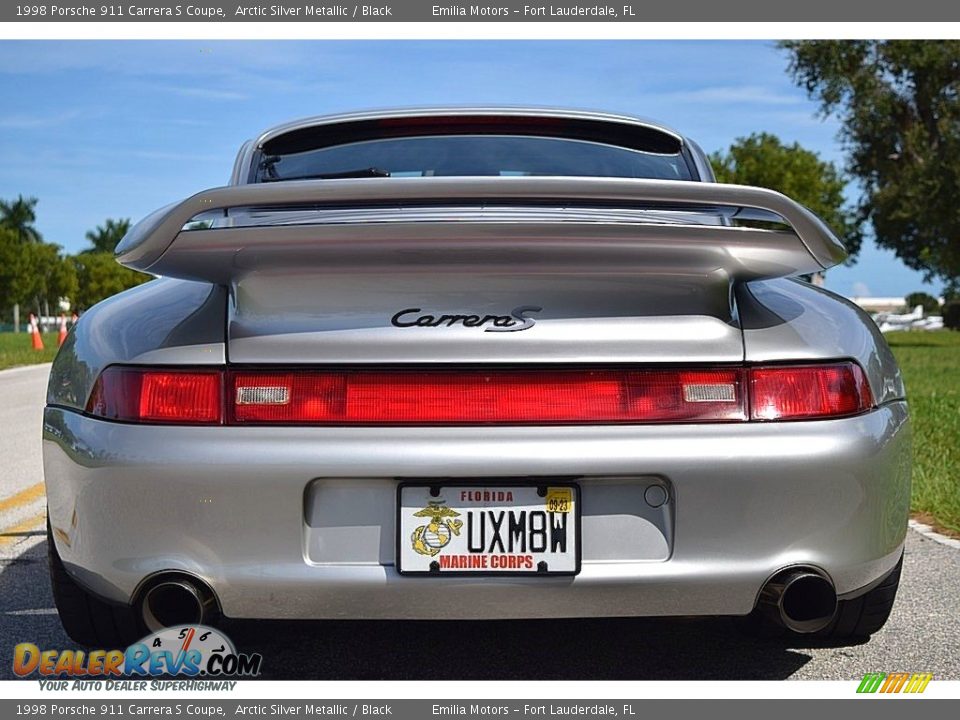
598,224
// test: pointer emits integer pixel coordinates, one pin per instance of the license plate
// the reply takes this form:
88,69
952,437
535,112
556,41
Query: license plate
500,529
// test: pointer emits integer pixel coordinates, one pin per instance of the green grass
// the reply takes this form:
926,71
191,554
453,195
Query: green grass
15,349
931,369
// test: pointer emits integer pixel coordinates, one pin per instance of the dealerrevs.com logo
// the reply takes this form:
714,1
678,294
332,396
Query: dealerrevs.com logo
190,651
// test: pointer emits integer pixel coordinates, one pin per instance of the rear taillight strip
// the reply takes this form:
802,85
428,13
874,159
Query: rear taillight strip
573,396
154,395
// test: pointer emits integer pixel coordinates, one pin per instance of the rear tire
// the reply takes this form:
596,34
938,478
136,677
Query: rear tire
86,618
862,616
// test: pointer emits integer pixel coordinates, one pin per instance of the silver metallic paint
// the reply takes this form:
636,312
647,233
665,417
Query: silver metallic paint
147,245
447,111
228,505
344,317
255,511
700,161
241,165
790,320
162,322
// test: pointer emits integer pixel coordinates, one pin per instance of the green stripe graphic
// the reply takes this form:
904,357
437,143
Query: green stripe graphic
871,682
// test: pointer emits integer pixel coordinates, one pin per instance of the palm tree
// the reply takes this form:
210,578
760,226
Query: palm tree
20,216
106,236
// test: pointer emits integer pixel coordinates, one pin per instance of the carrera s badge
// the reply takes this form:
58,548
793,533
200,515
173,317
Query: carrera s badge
516,321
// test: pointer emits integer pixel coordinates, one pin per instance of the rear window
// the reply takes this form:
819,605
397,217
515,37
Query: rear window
473,155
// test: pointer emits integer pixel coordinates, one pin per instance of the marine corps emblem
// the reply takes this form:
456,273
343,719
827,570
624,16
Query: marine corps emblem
431,538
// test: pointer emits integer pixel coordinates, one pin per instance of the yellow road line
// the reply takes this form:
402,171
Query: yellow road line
24,497
12,534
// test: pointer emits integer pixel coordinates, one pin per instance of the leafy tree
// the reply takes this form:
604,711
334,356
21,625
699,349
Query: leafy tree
56,276
19,216
899,102
35,275
763,160
99,276
931,306
16,281
106,237
951,315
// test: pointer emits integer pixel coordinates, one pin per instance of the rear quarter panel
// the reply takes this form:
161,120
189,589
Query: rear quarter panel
163,322
789,320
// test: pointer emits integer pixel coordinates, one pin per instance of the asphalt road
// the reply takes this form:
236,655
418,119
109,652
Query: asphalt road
922,635
22,393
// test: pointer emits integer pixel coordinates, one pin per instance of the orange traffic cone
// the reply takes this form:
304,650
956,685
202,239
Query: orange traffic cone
62,335
35,333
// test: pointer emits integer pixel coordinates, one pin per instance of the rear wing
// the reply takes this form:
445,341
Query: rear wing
471,223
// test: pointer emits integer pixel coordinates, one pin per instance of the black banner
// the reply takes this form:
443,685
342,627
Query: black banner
464,709
502,11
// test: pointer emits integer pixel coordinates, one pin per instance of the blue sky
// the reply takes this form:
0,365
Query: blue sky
119,128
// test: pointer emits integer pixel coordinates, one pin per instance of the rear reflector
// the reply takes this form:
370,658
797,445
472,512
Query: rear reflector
263,395
479,397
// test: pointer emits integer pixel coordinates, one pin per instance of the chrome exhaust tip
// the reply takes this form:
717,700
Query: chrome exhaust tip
800,600
178,601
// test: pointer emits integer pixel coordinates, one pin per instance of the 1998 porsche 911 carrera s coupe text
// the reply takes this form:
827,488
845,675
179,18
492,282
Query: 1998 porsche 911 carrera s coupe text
476,363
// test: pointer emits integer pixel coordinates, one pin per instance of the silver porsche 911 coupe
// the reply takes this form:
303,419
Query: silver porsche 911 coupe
470,364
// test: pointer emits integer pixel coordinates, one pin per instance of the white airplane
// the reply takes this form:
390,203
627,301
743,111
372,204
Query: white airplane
904,319
911,320
931,322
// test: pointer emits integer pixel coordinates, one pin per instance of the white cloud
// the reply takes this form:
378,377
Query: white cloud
753,94
200,92
173,156
30,121
860,289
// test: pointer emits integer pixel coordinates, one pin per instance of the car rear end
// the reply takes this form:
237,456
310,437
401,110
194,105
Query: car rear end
477,397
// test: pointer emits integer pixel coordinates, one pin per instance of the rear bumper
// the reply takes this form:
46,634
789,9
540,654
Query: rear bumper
300,523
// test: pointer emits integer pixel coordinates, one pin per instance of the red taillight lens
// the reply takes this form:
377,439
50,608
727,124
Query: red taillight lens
478,397
808,391
485,397
158,396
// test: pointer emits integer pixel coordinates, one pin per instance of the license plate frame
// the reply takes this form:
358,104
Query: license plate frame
436,488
